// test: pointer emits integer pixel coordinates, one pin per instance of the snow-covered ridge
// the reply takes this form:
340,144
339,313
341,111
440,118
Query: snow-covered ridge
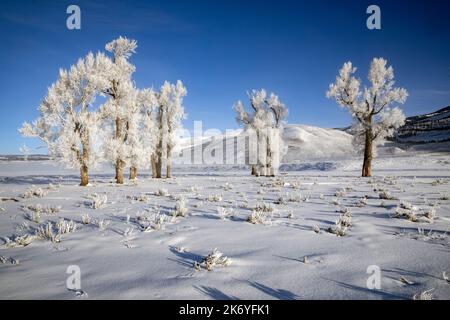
303,143
431,127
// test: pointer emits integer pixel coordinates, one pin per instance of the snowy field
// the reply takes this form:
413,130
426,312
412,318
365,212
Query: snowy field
126,250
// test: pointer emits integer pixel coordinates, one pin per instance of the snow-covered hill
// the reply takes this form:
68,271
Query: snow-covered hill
309,142
430,127
303,142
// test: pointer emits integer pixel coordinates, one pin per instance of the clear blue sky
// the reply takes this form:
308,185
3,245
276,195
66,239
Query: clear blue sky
221,49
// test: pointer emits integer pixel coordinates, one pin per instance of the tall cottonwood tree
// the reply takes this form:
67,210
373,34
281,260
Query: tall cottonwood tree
118,109
373,117
67,120
265,124
169,113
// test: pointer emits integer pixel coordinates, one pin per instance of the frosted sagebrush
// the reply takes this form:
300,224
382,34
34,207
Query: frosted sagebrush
98,200
212,260
66,226
34,192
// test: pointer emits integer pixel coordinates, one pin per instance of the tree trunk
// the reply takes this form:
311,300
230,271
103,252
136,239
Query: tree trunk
153,162
169,170
254,173
133,173
269,171
119,171
367,164
84,176
119,162
159,147
159,164
168,162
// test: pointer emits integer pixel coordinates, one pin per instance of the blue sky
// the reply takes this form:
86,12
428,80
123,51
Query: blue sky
221,49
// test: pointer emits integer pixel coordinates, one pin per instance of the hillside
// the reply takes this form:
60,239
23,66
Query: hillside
430,127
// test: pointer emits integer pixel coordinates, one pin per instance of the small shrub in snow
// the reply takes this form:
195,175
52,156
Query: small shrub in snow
362,202
438,182
344,210
159,221
85,218
386,195
24,240
342,224
338,230
162,192
224,213
444,196
257,217
180,208
215,197
98,200
139,198
406,205
296,198
46,233
405,281
445,277
34,192
430,214
336,201
390,180
401,212
3,259
295,185
212,260
290,215
47,210
264,207
195,188
34,216
102,224
340,193
424,295
65,226
316,229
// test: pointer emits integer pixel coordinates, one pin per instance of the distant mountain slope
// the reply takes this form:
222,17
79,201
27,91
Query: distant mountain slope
431,127
309,142
303,143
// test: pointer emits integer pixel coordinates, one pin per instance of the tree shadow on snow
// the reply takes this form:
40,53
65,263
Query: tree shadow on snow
214,293
381,293
280,294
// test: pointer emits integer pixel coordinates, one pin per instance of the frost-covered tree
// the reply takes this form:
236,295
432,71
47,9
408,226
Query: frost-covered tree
374,119
148,103
266,122
67,122
274,141
170,112
175,113
117,112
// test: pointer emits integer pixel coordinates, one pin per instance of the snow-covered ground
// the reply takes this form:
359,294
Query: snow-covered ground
120,260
